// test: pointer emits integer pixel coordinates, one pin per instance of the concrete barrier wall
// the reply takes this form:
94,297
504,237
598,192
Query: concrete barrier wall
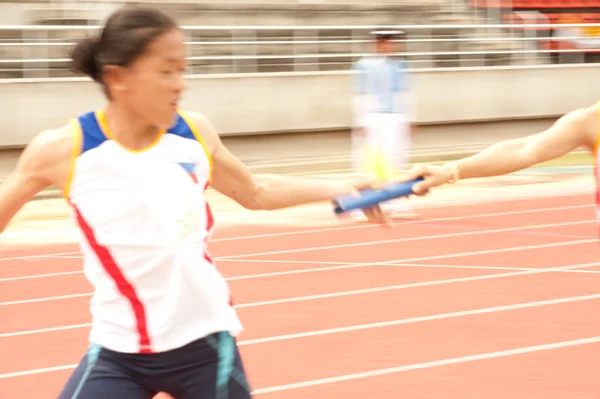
246,104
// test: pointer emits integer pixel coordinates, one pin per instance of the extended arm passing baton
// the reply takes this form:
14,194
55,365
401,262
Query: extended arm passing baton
371,197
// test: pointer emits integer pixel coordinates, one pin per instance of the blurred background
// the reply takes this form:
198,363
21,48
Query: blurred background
275,76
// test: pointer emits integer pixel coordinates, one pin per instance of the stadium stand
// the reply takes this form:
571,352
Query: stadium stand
582,44
226,48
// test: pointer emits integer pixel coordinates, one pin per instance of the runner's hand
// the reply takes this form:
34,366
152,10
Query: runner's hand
433,175
373,214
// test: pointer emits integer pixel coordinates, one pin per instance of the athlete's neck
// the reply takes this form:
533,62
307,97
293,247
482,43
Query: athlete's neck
129,130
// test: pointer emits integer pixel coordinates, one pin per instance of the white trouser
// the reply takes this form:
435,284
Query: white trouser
384,132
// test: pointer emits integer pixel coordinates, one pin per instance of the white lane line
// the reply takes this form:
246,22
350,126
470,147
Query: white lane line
421,319
367,291
239,258
77,254
45,330
409,239
75,326
434,266
427,365
405,286
37,371
40,256
345,266
336,266
358,327
46,299
402,223
38,276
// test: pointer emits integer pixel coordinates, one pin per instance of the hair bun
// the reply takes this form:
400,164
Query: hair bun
84,58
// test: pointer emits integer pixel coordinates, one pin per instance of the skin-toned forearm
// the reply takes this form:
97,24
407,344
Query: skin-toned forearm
15,192
577,128
498,159
277,192
8,206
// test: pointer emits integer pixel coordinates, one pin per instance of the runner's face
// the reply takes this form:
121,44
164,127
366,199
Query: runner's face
155,81
386,47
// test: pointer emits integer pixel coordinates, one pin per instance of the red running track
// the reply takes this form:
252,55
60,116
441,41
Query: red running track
492,300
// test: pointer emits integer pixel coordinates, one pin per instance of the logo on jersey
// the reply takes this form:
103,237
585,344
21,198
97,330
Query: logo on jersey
190,168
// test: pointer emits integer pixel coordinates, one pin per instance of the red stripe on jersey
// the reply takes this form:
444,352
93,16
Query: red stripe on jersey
597,196
124,286
210,223
596,182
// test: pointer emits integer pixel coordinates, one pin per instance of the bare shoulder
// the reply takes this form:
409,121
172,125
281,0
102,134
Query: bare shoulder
206,130
591,116
48,153
586,121
54,144
45,162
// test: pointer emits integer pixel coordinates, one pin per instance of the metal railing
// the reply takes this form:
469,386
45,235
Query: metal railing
42,51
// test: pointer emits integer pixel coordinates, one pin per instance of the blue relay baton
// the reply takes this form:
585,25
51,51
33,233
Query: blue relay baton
371,197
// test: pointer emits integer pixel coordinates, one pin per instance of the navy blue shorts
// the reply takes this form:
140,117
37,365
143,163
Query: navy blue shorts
209,368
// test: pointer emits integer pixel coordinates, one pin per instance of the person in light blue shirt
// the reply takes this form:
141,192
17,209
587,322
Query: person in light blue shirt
384,112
